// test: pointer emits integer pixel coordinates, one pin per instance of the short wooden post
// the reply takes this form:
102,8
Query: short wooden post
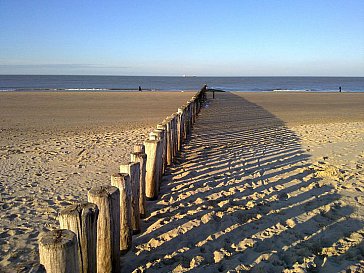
58,251
107,199
82,220
142,159
139,148
123,183
133,169
152,176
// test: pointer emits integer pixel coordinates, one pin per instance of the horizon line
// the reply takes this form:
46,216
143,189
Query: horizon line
187,76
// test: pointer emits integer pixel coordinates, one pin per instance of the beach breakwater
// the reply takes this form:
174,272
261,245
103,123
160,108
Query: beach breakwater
93,234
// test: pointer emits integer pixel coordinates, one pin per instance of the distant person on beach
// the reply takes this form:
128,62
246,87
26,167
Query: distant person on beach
340,89
140,88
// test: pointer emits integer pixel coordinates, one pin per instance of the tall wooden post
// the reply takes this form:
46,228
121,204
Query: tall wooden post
163,128
169,142
175,134
188,124
133,169
152,176
158,135
142,159
180,128
194,106
123,183
82,220
58,251
107,198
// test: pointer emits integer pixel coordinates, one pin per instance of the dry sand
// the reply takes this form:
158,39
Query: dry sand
269,182
54,147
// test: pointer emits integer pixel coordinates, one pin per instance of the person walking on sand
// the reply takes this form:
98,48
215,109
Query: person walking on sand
340,89
140,88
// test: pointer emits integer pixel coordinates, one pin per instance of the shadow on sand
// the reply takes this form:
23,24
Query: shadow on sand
245,198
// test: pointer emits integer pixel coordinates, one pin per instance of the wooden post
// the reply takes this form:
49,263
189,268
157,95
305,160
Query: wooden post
157,135
107,198
139,148
58,251
169,141
163,128
82,220
142,159
187,121
189,113
151,177
123,183
180,128
193,105
133,169
175,134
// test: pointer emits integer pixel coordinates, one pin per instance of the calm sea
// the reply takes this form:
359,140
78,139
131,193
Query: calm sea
121,83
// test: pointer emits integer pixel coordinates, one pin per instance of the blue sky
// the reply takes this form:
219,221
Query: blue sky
173,37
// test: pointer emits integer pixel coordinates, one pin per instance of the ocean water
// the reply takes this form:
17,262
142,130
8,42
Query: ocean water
123,83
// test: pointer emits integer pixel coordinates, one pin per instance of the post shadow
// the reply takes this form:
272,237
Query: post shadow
242,172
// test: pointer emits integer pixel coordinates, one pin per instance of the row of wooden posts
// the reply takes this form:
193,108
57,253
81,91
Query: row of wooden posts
94,234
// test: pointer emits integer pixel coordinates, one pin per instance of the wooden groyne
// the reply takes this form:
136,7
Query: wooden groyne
92,235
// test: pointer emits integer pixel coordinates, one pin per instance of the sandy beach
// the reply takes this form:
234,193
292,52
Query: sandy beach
54,147
268,182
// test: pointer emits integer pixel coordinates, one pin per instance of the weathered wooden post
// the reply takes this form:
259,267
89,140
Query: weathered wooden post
123,183
139,148
142,159
107,199
173,135
193,107
58,251
189,118
172,121
133,169
169,142
158,135
151,177
192,110
176,133
82,220
180,128
163,128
